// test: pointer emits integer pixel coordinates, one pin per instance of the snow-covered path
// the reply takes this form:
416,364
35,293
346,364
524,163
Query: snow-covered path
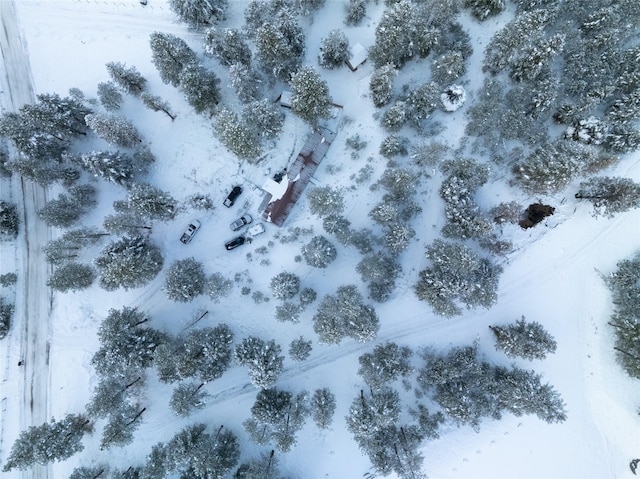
33,301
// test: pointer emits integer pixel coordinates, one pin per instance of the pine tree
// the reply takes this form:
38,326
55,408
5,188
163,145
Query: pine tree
310,98
114,130
129,262
199,12
288,311
285,285
280,45
245,81
325,201
109,96
129,79
381,84
379,271
395,33
523,339
356,11
186,397
61,212
218,287
238,137
72,276
94,472
385,364
264,466
334,50
300,349
112,166
149,201
319,252
121,425
610,195
68,246
323,406
9,220
156,103
264,117
6,312
170,55
185,279
262,358
200,87
483,9
457,273
112,391
227,45
49,442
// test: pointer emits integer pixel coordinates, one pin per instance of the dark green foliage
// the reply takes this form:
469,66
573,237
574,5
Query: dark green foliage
126,346
319,252
184,280
310,98
262,358
457,274
483,9
334,50
6,311
381,84
300,349
276,416
280,45
227,45
610,195
285,285
199,12
109,96
624,284
114,130
72,276
200,87
379,271
325,201
49,442
129,262
61,212
323,406
9,220
345,315
186,397
129,79
170,55
385,364
523,339
150,201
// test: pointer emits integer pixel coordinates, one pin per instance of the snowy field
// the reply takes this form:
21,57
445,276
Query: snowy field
551,276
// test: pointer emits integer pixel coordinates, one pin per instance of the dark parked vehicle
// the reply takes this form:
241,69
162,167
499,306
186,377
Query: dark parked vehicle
189,232
240,222
231,198
235,242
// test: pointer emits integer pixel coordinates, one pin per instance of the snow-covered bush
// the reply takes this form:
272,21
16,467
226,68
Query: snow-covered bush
9,220
6,312
8,279
300,349
397,237
379,271
285,285
185,279
385,364
457,274
319,252
590,131
394,145
528,340
395,117
334,50
288,311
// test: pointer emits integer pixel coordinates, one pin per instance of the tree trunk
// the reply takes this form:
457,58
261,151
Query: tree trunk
132,383
136,416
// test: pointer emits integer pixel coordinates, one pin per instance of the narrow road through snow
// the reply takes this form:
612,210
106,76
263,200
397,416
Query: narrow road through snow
33,301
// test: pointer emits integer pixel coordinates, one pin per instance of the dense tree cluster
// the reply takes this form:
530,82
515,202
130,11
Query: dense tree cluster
457,274
345,315
624,284
385,364
199,12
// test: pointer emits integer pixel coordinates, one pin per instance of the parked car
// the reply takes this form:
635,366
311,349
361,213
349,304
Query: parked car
240,222
231,198
187,236
255,230
235,242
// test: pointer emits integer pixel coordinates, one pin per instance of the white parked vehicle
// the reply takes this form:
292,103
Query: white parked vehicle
187,236
255,230
240,222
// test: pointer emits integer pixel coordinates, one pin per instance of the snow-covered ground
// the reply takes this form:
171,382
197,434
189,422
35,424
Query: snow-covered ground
552,277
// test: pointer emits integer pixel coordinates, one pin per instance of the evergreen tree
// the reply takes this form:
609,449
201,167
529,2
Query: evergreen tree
610,195
109,96
262,358
325,201
264,466
381,84
264,117
285,285
483,9
186,397
448,67
280,45
199,12
71,276
345,314
49,442
156,462
323,406
121,425
385,364
379,271
310,98
200,87
218,287
114,130
227,45
112,391
300,349
395,35
170,54
129,79
523,339
89,472
129,262
6,311
288,311
127,223
9,220
356,11
68,246
422,102
149,201
61,212
156,103
319,252
236,136
334,50
245,81
125,345
185,279
112,166
457,273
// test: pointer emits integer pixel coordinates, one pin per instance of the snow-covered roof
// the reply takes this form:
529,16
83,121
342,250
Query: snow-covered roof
285,98
358,56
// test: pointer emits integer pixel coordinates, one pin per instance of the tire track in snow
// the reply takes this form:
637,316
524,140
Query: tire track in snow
33,306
